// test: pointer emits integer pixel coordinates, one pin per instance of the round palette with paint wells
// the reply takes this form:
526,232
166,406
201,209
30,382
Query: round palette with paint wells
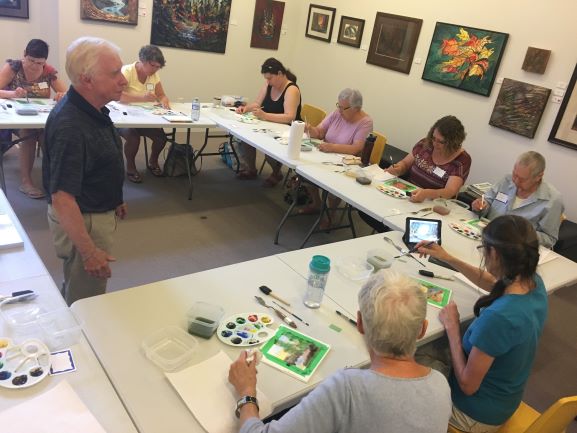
246,329
466,231
392,192
23,365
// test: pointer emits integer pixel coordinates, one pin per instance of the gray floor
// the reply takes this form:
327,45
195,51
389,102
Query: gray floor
229,221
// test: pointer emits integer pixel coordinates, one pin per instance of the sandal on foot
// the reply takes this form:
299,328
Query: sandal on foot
31,191
272,180
134,177
246,175
155,170
308,210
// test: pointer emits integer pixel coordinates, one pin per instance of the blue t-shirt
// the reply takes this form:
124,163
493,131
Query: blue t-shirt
508,330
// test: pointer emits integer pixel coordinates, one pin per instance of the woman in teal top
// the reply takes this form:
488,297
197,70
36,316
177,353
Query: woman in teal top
492,362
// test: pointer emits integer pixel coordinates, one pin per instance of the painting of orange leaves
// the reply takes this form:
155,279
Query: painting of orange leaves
465,58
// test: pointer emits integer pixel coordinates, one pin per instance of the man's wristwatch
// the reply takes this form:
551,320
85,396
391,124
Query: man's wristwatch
245,400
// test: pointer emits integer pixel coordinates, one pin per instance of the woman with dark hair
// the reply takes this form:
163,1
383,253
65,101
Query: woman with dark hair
492,362
279,100
438,163
144,86
30,77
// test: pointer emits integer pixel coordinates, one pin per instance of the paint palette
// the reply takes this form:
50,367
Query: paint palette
23,365
466,231
392,192
245,329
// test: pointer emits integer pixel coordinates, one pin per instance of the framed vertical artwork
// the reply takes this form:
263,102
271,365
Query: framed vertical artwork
320,22
394,41
267,23
519,107
351,31
14,8
192,24
465,58
536,60
564,131
119,11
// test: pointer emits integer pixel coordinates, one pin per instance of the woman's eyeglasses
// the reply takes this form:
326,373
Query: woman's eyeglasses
35,62
342,108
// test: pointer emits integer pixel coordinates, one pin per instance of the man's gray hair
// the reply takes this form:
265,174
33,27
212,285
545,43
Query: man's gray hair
83,56
393,308
353,96
534,160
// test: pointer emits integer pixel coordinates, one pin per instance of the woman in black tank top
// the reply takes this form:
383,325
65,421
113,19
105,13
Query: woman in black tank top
279,100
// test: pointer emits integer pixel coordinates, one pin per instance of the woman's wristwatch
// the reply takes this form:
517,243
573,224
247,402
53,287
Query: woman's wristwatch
243,401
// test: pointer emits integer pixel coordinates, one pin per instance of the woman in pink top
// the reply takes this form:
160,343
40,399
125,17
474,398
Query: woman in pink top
343,131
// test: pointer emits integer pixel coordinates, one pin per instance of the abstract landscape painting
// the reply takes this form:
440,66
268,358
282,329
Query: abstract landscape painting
519,107
191,24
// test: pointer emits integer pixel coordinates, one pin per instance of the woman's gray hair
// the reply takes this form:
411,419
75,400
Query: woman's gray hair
534,160
353,96
83,56
393,308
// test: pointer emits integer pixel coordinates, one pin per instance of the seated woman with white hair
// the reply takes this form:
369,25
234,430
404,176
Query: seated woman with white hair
395,394
345,130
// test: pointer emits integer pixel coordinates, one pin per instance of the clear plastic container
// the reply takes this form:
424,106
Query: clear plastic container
354,268
60,329
169,348
203,319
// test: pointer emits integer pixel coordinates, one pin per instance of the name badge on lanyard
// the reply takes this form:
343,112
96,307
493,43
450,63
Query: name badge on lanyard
43,85
149,87
502,197
439,172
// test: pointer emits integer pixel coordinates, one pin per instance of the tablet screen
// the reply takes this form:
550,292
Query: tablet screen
418,230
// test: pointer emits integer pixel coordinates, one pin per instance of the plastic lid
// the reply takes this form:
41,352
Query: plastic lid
320,264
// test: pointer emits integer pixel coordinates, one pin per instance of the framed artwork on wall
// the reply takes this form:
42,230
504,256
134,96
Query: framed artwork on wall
119,11
394,41
267,24
536,60
465,58
564,131
351,31
519,107
193,24
14,8
320,22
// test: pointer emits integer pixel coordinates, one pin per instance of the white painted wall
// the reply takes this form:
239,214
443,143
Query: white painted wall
403,106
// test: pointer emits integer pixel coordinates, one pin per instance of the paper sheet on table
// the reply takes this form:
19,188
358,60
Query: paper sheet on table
546,255
205,389
57,410
465,280
377,173
9,236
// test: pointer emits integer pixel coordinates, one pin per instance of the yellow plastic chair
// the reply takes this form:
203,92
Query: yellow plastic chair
378,148
313,115
528,420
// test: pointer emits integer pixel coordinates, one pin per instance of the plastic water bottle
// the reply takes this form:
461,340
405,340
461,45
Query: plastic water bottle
195,111
319,268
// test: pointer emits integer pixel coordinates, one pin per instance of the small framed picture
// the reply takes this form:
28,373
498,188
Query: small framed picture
394,41
14,9
564,131
351,31
320,22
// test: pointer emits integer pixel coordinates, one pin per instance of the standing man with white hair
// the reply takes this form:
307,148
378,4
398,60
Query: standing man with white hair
83,168
396,394
525,193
